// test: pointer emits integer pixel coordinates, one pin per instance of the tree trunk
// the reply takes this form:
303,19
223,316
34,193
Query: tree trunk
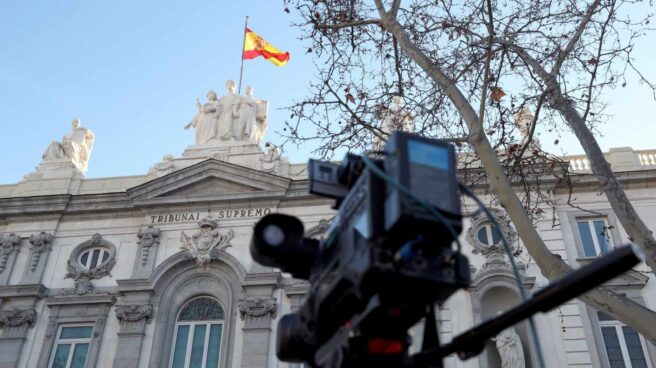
552,267
619,202
631,222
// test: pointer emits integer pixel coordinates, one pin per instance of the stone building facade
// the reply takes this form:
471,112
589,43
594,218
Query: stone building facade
154,270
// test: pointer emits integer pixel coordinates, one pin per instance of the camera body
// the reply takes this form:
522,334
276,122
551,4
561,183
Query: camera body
384,259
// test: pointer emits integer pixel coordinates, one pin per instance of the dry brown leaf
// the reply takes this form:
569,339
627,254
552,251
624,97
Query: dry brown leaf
496,94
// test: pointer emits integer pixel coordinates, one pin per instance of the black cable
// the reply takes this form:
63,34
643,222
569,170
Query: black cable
513,265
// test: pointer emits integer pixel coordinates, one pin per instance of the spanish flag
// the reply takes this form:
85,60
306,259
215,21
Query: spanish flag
255,46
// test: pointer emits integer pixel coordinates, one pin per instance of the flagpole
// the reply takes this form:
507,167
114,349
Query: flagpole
241,69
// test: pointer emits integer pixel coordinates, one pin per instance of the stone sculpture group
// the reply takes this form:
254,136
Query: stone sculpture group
232,117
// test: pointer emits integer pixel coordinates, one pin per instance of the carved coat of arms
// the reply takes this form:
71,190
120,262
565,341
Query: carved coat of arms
206,244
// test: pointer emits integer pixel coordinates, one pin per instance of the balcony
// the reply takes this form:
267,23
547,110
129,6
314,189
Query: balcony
620,159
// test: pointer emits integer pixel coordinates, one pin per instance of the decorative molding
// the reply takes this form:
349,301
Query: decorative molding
18,317
148,237
272,279
629,280
255,306
9,243
206,244
39,243
35,291
495,255
83,276
87,309
133,312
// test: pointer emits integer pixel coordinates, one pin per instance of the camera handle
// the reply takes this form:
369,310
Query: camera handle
472,342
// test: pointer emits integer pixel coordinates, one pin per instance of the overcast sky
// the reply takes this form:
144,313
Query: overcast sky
131,71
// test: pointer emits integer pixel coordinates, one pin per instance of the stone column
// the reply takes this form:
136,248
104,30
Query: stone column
133,320
296,293
9,244
258,308
146,252
39,251
16,323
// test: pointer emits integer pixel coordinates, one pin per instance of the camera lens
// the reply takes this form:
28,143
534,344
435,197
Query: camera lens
273,235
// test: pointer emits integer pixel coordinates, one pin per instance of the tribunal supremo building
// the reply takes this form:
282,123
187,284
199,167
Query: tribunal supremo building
154,270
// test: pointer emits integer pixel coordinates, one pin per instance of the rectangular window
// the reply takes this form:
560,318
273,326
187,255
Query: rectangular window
624,347
71,346
595,236
197,344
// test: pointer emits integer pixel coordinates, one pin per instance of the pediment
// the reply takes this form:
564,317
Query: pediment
209,180
631,279
209,186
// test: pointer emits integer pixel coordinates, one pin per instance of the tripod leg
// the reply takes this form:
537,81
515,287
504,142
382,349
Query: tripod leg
431,338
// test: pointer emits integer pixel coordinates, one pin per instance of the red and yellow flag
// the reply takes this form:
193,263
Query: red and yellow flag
255,46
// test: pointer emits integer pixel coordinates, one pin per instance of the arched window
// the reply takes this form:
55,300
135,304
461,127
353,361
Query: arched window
198,331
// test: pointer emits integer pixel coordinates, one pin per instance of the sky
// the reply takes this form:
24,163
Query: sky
132,70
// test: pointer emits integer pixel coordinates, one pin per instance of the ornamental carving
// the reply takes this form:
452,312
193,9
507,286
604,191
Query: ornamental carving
319,230
148,237
9,243
486,238
270,161
133,312
83,275
39,243
254,306
18,317
206,244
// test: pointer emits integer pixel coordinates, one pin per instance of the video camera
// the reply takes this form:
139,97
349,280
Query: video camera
386,259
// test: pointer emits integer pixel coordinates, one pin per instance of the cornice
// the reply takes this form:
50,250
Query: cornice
263,279
38,291
80,299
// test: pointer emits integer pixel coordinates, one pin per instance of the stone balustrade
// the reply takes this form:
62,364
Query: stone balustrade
620,159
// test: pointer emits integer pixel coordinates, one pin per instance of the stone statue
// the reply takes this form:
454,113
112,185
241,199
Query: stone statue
227,112
205,122
162,168
523,120
76,146
395,117
252,117
271,158
246,115
510,349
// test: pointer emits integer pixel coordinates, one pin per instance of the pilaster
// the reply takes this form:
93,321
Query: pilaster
17,318
133,319
16,322
257,309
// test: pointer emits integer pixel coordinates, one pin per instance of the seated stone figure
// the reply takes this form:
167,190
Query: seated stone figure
75,146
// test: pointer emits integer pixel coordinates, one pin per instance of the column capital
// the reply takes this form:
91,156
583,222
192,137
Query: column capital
18,317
